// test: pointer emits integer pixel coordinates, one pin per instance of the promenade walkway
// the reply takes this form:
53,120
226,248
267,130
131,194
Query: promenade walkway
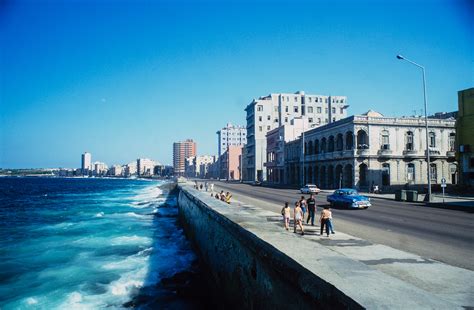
378,276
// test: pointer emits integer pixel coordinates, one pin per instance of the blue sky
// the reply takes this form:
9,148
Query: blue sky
124,79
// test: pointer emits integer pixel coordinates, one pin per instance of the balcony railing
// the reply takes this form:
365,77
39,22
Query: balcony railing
410,153
384,152
450,153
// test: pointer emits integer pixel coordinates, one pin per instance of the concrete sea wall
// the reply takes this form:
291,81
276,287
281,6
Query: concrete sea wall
249,272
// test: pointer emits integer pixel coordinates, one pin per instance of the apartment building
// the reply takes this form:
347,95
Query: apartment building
181,151
267,113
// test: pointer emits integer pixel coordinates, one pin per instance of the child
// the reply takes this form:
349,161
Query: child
285,211
298,218
227,197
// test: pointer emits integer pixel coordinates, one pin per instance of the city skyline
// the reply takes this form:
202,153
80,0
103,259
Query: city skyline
131,89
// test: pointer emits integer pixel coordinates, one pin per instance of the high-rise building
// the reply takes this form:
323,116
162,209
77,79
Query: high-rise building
86,162
181,151
230,135
145,166
275,110
100,168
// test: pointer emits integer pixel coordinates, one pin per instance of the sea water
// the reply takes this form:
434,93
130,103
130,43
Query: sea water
86,243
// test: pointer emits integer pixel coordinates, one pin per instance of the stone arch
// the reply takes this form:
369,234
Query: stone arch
331,144
348,173
316,146
323,177
349,140
339,142
323,146
362,139
310,147
363,175
330,176
338,176
310,174
316,175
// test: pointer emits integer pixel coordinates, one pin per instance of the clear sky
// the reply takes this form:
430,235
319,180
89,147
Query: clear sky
124,79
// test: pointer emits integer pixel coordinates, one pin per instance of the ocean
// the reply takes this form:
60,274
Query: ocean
91,244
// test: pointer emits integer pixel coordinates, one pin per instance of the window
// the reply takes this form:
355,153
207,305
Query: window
433,172
385,140
295,109
260,108
268,127
432,139
309,99
318,109
276,120
452,139
411,172
319,120
286,119
276,109
269,117
326,110
296,99
385,174
310,120
326,120
260,128
333,119
286,109
326,100
310,109
260,118
341,110
334,110
409,139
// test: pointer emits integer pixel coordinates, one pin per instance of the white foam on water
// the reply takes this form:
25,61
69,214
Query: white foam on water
100,214
131,240
31,301
147,195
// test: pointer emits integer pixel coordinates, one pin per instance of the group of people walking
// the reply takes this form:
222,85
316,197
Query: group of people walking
209,187
303,207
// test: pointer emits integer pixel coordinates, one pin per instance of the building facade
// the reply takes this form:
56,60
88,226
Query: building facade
370,149
277,139
465,136
86,162
230,163
145,166
267,113
181,151
230,135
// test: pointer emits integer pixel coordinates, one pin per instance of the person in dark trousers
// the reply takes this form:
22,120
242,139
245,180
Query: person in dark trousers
311,203
302,202
324,219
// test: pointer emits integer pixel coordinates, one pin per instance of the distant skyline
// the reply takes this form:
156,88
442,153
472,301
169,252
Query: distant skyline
126,79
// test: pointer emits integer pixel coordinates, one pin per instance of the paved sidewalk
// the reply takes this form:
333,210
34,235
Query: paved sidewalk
375,275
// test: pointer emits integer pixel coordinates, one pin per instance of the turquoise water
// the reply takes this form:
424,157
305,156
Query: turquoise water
85,243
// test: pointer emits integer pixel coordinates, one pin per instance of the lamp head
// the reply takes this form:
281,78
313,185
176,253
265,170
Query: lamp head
400,57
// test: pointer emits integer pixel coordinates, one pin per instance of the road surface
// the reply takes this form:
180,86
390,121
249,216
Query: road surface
440,234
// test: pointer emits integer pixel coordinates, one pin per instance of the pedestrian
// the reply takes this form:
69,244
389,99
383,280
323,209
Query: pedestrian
298,218
212,187
222,196
218,197
311,203
324,219
285,212
228,196
330,223
303,205
206,186
200,187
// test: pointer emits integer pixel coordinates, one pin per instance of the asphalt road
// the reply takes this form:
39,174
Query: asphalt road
440,234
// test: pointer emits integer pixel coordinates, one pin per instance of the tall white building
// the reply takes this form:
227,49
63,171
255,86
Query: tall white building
198,166
230,135
145,166
86,162
275,110
100,168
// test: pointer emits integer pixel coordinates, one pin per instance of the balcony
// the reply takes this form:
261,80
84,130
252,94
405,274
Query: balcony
410,153
435,153
450,153
385,152
362,152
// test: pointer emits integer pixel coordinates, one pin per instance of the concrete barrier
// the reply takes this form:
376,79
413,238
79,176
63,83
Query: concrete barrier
257,267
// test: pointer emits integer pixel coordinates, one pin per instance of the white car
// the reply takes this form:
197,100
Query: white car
310,189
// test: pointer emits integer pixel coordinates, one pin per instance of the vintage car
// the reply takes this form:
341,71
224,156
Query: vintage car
310,189
347,197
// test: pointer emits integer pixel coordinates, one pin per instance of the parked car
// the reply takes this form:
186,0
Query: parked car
348,197
310,189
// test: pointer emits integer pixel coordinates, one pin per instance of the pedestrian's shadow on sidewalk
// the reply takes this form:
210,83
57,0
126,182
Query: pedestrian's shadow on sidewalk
343,243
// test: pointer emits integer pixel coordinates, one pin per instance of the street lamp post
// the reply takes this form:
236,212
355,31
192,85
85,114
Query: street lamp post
426,123
304,154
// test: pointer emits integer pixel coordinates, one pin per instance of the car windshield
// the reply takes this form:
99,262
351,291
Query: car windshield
351,193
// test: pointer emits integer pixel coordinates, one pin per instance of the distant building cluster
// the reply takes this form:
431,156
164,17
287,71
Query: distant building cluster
142,167
297,138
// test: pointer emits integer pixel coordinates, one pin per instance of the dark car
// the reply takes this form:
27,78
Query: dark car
347,197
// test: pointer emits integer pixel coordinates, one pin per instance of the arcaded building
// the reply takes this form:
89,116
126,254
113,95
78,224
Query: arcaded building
371,149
